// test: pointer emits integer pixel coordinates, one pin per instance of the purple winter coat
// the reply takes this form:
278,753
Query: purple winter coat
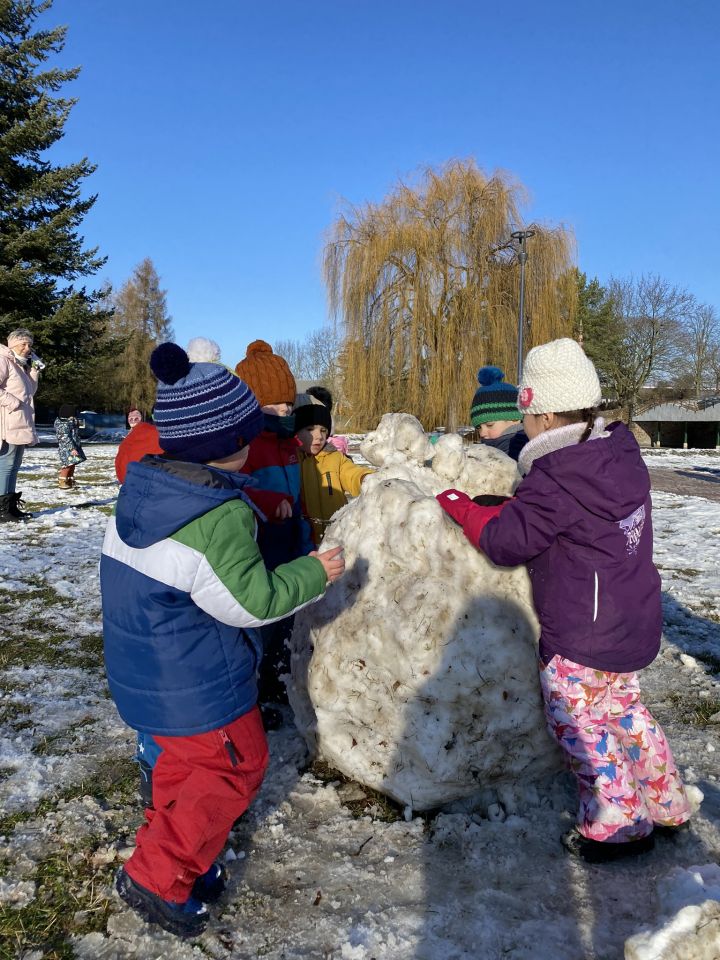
581,521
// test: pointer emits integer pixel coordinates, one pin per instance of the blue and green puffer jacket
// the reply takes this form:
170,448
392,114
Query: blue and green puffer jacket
183,587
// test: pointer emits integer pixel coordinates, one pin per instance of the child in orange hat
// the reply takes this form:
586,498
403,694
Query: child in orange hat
274,463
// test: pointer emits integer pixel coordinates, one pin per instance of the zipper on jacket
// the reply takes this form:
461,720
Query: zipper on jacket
228,744
595,609
328,480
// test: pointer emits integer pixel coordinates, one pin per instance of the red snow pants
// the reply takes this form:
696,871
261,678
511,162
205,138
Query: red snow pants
201,785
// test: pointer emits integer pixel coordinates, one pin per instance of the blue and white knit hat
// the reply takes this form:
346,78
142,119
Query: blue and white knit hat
494,400
203,411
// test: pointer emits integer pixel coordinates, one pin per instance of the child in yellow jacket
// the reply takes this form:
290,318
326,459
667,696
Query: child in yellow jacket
326,474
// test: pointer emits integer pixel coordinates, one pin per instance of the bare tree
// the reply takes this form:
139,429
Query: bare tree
702,334
641,341
426,285
713,366
314,358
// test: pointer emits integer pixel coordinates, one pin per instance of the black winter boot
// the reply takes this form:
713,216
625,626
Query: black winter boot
16,507
6,513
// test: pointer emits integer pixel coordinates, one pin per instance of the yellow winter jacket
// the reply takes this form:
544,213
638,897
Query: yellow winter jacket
326,478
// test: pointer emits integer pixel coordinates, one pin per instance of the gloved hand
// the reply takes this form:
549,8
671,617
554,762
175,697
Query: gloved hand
490,500
456,504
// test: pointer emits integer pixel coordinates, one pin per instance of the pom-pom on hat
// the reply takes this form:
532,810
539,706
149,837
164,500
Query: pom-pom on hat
267,375
558,377
203,411
494,399
312,415
203,350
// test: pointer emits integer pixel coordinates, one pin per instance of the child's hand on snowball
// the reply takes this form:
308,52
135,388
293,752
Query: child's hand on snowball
456,504
333,561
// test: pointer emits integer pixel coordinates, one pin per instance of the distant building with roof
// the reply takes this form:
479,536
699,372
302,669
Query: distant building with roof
683,423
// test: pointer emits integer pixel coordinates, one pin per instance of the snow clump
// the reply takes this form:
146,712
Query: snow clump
690,926
417,675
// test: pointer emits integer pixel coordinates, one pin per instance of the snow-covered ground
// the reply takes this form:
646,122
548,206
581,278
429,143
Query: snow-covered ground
321,868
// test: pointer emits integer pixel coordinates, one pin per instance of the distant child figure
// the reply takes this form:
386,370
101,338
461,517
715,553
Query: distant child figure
183,587
70,451
134,417
495,415
141,441
274,464
327,475
581,521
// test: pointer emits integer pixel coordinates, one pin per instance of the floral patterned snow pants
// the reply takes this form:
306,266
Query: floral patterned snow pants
625,770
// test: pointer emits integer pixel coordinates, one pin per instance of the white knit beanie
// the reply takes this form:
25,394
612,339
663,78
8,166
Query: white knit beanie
558,377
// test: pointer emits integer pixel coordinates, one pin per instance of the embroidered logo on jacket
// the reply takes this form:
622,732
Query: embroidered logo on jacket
632,527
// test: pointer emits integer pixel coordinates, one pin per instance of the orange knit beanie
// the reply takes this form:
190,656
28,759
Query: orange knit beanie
267,375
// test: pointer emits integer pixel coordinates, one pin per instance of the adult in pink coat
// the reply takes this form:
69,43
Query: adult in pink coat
19,373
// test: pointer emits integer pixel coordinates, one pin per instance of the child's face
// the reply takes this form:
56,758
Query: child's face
278,409
134,418
495,429
312,439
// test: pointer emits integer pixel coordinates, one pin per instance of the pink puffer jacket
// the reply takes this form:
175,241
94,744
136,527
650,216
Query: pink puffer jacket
17,388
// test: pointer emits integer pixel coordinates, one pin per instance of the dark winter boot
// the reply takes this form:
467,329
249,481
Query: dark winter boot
187,919
604,851
211,885
672,831
6,513
17,505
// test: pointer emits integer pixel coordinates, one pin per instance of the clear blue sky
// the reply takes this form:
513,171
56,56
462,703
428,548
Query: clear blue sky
228,133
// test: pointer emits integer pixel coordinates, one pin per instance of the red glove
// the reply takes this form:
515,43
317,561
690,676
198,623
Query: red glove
456,504
472,517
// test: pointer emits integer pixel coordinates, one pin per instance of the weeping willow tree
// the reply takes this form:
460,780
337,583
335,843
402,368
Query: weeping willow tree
426,286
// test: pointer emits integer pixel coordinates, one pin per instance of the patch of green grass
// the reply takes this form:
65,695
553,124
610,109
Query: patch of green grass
70,900
61,743
114,784
54,650
696,711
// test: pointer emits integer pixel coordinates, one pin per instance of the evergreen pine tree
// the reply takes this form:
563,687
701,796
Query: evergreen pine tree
140,322
41,252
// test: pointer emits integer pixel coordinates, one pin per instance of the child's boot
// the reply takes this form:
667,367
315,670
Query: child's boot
64,482
187,919
603,851
211,885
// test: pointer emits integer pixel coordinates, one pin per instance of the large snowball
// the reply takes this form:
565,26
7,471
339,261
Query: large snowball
417,674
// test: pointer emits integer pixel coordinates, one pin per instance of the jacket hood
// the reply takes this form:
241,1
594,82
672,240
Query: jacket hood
607,475
160,496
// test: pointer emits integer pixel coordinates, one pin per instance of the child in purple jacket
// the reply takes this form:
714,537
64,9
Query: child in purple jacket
581,522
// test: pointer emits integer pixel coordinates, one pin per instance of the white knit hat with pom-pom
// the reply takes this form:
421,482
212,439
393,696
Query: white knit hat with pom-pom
202,350
558,377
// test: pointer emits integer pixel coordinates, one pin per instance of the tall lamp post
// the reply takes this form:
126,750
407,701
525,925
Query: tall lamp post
521,237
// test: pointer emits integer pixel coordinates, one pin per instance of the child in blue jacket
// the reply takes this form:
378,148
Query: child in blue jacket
184,588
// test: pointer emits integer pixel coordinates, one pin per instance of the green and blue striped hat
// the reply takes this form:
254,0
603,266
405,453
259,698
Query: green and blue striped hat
494,399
